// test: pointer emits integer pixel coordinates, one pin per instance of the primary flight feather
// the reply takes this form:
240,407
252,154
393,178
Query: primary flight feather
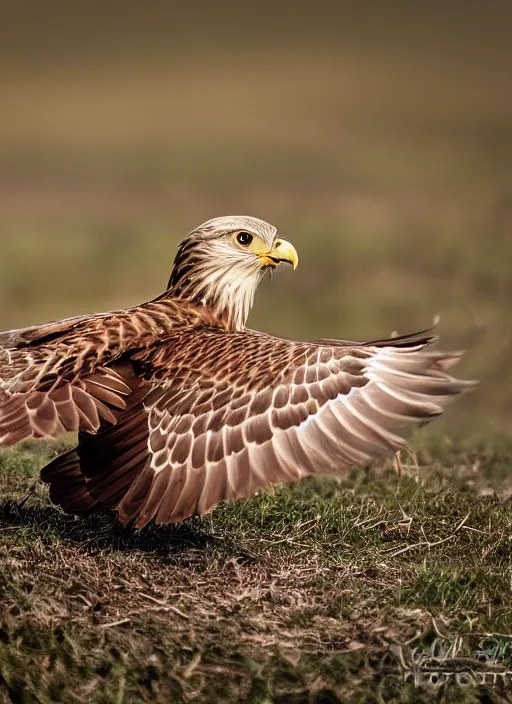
179,406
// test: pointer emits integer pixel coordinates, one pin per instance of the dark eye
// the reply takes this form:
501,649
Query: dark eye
244,238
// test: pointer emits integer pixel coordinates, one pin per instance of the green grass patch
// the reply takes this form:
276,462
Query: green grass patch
328,591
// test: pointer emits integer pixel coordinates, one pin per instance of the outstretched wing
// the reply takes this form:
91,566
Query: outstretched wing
48,412
54,378
230,413
23,337
69,375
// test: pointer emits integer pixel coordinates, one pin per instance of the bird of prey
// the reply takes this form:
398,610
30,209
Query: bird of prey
179,406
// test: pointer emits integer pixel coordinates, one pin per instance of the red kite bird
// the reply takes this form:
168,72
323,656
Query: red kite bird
179,406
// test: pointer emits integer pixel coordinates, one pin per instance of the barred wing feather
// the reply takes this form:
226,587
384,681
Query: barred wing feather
322,410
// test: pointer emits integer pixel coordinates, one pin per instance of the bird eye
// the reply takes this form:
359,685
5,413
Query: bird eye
244,238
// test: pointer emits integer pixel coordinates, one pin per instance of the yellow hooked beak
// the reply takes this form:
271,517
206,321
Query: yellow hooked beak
282,251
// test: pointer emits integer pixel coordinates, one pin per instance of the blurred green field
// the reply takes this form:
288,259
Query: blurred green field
384,156
380,143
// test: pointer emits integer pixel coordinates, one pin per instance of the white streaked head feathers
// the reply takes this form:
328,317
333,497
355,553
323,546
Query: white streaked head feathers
211,270
211,229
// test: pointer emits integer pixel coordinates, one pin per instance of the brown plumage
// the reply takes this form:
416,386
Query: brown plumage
178,406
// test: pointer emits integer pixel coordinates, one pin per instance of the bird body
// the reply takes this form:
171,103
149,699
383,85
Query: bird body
179,406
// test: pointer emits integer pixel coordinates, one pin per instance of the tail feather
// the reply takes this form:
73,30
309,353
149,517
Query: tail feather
68,486
102,468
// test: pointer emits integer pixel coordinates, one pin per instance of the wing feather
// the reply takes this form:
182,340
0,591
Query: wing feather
302,410
230,413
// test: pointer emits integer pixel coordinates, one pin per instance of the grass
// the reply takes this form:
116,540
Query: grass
329,591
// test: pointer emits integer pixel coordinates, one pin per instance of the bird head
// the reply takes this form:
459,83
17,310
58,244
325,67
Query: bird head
220,264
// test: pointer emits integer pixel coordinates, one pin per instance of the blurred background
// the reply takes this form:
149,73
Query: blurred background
376,136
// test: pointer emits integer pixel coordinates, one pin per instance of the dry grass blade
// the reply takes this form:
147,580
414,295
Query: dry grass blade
429,544
114,624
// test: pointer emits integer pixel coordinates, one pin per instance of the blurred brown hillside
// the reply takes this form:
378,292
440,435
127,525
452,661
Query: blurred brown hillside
378,137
